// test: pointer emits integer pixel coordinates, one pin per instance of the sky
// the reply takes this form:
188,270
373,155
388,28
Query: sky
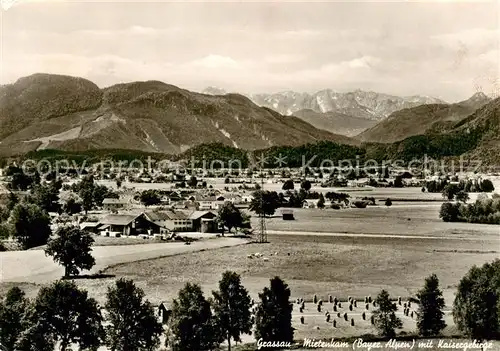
446,49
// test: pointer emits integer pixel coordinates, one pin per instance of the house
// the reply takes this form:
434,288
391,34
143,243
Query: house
310,203
246,198
287,214
113,204
172,220
204,221
209,202
186,205
123,224
90,227
164,313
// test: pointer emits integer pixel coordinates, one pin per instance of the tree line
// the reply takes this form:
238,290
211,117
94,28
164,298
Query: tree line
26,217
484,210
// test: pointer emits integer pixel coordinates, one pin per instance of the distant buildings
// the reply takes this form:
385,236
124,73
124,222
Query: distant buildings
113,204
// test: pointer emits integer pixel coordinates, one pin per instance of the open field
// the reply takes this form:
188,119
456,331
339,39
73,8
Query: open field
33,266
408,219
322,265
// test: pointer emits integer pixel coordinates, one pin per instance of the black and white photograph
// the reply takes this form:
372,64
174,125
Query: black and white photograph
249,175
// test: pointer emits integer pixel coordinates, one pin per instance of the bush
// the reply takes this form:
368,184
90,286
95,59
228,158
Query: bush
388,202
449,212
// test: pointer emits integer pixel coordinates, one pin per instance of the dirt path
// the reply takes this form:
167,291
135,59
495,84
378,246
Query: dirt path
34,267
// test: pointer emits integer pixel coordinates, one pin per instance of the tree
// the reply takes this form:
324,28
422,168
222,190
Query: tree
462,196
4,213
64,314
321,201
232,308
91,194
72,206
12,200
476,309
87,196
150,197
273,320
31,225
449,212
6,230
487,186
45,197
192,325
398,182
72,249
449,191
20,180
430,320
192,182
385,319
229,216
388,202
118,183
132,322
12,310
306,185
288,185
264,202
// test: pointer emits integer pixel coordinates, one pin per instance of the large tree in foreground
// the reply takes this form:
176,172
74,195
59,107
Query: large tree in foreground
65,315
12,311
192,325
476,309
385,319
231,306
273,320
72,249
133,325
430,320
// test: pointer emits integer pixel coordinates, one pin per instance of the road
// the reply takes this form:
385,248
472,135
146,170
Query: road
34,267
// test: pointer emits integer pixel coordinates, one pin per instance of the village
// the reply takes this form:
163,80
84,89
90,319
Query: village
162,204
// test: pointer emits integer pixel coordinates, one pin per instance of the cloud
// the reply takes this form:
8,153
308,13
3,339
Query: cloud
470,38
363,62
215,61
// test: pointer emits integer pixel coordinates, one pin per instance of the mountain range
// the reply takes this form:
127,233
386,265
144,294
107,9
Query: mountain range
44,111
361,104
68,113
422,119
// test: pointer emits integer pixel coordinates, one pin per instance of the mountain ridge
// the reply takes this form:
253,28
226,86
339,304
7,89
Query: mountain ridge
422,119
358,103
72,113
